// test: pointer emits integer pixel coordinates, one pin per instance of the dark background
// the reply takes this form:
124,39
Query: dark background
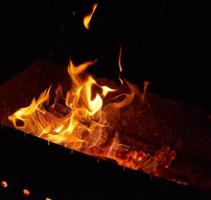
165,42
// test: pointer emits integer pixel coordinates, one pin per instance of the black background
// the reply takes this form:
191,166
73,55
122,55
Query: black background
165,42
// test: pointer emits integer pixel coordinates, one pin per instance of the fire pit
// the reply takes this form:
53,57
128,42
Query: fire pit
160,137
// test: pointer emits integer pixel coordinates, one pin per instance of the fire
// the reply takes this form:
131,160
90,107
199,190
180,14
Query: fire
81,118
120,65
88,17
75,120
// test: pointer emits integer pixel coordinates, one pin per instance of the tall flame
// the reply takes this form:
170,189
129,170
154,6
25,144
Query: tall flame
79,120
82,119
88,17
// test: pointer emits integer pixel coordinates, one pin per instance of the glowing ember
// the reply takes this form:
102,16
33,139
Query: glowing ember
119,60
79,121
83,118
4,184
88,17
26,192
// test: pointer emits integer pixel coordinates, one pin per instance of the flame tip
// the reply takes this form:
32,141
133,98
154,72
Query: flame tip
89,16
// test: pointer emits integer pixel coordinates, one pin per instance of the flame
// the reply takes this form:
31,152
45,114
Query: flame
88,17
119,60
120,65
81,119
77,122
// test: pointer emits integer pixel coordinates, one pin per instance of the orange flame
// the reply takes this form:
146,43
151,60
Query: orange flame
77,123
88,17
82,119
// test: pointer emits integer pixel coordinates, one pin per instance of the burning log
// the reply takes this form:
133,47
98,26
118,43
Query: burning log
162,137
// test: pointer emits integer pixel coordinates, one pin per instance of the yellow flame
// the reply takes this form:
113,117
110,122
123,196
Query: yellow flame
25,113
88,17
81,119
70,122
